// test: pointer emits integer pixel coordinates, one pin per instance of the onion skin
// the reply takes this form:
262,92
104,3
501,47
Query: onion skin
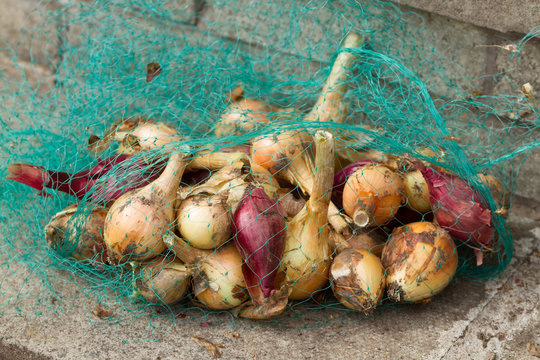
243,115
500,194
219,283
204,221
147,135
420,260
277,152
137,221
416,192
373,195
164,280
307,255
458,209
78,235
340,179
358,280
108,176
260,238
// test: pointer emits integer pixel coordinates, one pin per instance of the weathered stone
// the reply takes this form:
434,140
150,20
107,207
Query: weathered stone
501,15
29,29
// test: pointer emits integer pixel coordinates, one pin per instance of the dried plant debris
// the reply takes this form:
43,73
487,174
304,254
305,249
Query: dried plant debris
102,312
212,348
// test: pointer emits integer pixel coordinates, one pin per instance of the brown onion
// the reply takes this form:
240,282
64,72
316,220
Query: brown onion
307,256
420,260
416,191
164,280
204,221
219,283
78,234
137,221
373,195
358,280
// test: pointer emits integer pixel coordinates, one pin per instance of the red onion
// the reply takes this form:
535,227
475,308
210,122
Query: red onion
116,176
459,209
260,238
340,178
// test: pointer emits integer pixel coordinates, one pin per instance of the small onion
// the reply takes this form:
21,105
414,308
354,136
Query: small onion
146,136
420,260
204,220
164,280
219,283
77,234
416,191
358,280
373,195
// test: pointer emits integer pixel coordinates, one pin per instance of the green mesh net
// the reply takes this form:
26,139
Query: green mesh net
278,96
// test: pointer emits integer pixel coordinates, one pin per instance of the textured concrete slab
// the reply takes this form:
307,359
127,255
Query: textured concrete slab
501,15
469,320
29,31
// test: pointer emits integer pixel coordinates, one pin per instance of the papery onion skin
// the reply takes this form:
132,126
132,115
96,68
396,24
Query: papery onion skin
164,280
373,195
204,221
276,152
459,209
420,260
147,135
358,279
260,238
219,283
78,234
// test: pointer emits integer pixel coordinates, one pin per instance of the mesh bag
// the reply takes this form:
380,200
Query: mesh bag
297,155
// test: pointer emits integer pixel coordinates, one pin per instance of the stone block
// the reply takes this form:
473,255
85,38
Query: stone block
501,15
29,31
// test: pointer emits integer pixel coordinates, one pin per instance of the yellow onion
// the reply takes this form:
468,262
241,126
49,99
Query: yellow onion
214,160
78,234
307,256
242,114
373,195
420,260
137,221
416,191
219,283
203,220
164,280
358,280
135,134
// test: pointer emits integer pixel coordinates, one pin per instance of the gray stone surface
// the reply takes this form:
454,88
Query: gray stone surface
29,31
469,320
501,15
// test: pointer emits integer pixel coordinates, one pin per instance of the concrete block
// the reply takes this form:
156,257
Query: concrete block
28,27
501,15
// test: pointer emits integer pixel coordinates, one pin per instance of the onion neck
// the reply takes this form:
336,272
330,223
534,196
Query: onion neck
169,181
363,214
188,254
324,170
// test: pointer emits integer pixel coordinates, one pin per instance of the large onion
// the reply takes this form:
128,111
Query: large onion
373,195
137,221
420,260
78,234
358,280
204,221
306,260
219,283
